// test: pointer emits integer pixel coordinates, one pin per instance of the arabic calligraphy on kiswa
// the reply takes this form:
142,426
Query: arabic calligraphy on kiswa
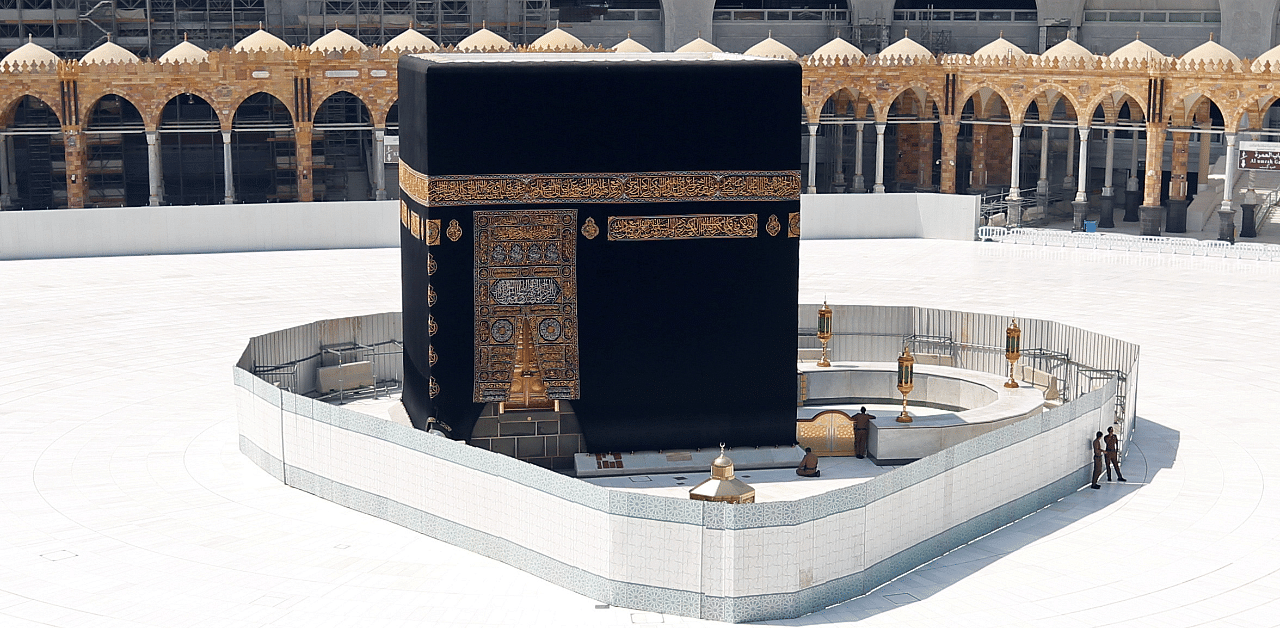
682,227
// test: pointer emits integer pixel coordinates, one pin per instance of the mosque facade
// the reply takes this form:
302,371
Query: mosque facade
1137,127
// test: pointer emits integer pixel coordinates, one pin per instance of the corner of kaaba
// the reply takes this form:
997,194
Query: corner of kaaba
600,248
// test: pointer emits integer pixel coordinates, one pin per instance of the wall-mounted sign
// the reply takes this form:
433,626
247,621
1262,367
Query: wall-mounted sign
391,149
1260,155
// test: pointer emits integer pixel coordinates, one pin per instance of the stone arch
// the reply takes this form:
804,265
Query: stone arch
983,103
320,99
880,105
1108,94
342,139
9,107
264,149
153,121
36,181
235,103
191,151
1046,97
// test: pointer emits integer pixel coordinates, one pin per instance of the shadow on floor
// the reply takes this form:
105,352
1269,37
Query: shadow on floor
1154,447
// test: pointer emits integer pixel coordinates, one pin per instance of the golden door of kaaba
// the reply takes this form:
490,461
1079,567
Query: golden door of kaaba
828,434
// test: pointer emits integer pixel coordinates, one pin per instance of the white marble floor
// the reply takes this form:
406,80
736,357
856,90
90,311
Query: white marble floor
125,502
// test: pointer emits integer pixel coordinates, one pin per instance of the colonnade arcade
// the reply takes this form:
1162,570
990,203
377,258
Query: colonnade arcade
284,124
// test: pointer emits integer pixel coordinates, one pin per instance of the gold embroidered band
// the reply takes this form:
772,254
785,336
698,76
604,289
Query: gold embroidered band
636,187
689,227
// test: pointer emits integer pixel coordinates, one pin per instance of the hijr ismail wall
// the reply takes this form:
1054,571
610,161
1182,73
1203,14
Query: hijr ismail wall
606,230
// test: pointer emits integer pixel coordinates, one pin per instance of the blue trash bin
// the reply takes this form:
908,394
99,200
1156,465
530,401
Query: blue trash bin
1090,226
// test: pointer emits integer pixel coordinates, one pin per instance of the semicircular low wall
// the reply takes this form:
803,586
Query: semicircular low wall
727,562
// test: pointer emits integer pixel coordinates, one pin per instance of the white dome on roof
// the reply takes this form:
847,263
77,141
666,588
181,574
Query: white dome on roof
1210,51
260,40
484,40
556,39
630,45
771,47
905,47
698,45
1001,47
185,52
1271,56
837,49
1068,49
109,52
337,39
411,41
1135,50
29,53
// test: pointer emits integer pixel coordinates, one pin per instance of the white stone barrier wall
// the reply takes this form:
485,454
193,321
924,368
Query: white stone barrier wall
1135,244
853,216
175,229
744,562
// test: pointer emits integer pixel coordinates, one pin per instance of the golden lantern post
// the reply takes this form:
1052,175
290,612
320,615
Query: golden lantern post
1012,349
906,381
824,331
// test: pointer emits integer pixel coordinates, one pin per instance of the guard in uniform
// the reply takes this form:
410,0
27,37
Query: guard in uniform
1113,454
1097,460
861,427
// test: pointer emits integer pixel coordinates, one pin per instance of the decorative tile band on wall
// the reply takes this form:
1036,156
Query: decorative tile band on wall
748,562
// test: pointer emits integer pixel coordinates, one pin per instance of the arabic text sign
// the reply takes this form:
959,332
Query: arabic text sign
1260,155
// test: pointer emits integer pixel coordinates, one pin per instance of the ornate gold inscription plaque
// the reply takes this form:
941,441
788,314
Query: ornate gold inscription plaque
454,231
793,225
432,235
772,226
526,306
687,227
589,229
635,187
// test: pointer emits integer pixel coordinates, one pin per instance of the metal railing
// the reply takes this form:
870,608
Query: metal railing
1136,244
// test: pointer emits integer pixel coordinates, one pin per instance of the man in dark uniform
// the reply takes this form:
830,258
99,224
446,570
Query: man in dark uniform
861,427
1113,454
809,466
1097,460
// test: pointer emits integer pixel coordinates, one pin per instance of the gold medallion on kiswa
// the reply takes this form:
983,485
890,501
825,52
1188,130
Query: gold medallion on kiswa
688,227
633,187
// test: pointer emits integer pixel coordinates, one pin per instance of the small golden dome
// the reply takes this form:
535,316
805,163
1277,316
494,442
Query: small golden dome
337,39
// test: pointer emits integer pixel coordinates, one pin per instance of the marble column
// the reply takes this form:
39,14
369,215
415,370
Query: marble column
228,180
837,182
813,159
1013,202
1226,213
859,183
950,131
1108,190
879,187
1206,144
153,169
5,198
1069,181
1131,197
1151,214
1176,221
379,168
1081,202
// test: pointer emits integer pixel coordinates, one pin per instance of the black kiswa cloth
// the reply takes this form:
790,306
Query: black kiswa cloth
680,343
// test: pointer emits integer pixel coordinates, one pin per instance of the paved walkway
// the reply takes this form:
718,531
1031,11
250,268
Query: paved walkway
125,502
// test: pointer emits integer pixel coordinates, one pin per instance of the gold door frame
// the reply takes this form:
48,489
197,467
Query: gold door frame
828,433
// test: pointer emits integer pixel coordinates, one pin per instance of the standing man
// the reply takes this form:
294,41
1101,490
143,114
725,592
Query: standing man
861,427
1113,454
1097,460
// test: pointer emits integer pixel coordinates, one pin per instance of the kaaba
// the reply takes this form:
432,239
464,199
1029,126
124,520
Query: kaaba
619,232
